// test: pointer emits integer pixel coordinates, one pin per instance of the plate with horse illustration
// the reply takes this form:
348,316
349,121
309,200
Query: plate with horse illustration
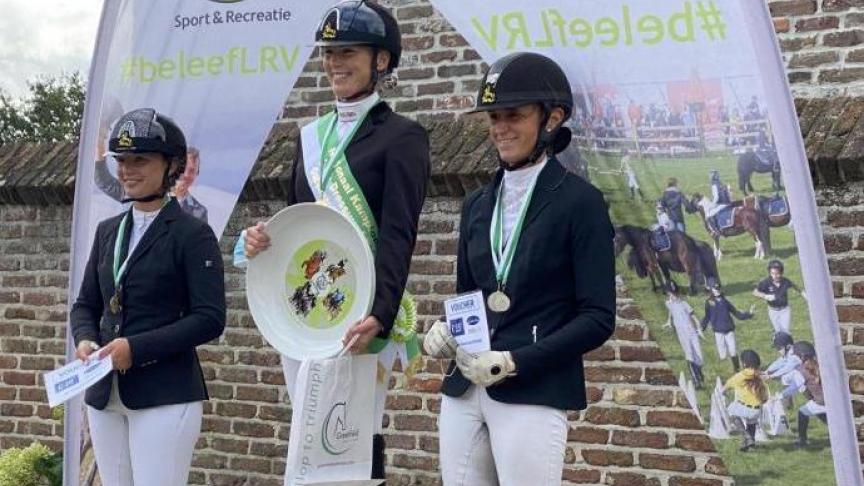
316,279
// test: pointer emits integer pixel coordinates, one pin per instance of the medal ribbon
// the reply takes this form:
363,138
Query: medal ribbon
118,248
334,163
503,252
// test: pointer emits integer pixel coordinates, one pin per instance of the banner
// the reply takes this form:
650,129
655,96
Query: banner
685,121
222,70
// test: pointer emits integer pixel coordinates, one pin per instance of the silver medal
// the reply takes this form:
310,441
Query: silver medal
498,301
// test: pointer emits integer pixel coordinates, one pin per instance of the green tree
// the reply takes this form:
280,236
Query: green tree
50,112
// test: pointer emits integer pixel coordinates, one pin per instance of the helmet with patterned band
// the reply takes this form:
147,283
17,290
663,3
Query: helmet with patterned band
356,22
146,131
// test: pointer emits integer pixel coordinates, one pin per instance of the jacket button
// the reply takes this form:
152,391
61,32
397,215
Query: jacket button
116,328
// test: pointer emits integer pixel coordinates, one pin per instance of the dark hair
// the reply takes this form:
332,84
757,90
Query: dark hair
750,359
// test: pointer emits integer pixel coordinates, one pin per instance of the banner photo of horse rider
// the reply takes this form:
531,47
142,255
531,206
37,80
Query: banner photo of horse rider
684,120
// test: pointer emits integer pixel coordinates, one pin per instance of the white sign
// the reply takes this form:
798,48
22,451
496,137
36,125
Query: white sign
466,317
70,380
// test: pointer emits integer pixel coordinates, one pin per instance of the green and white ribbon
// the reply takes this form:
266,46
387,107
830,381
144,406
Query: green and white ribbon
504,251
333,183
117,268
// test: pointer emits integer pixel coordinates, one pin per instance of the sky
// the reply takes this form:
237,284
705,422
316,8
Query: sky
45,37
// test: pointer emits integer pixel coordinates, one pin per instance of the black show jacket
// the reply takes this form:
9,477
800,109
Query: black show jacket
173,296
561,287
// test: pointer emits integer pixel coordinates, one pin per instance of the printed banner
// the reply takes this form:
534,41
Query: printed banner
685,121
221,70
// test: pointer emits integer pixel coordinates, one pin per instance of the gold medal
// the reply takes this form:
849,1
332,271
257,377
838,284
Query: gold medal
498,301
114,303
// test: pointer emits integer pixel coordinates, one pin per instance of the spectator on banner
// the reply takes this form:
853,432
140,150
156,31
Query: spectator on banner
387,156
113,188
683,319
674,200
785,367
181,188
153,289
735,128
774,289
754,112
627,170
815,406
634,112
719,313
750,394
503,414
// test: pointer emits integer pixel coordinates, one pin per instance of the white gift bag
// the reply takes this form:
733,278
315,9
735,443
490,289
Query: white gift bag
332,422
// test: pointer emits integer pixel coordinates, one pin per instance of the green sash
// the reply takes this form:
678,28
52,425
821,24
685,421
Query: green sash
333,183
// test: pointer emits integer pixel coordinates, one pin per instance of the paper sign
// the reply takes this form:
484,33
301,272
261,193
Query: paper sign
466,316
72,379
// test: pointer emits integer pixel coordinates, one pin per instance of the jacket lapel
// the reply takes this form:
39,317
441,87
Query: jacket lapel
111,240
157,229
486,206
548,181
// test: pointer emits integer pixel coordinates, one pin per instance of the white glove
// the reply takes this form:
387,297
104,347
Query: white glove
487,368
770,297
439,343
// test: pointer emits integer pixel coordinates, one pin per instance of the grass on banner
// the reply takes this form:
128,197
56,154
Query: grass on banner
775,463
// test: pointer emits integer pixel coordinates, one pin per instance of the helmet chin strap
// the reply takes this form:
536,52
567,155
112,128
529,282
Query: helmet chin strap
544,139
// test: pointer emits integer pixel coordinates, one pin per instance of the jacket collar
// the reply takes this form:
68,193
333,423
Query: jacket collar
548,182
377,115
158,228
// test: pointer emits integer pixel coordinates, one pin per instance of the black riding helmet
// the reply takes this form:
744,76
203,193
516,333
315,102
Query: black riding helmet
782,340
750,359
146,131
356,22
804,350
524,78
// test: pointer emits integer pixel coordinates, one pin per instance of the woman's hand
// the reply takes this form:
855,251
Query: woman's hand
365,330
85,348
121,354
257,240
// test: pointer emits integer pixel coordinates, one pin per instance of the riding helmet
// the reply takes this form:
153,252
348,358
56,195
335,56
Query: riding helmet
354,22
782,340
750,359
146,131
524,78
804,350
